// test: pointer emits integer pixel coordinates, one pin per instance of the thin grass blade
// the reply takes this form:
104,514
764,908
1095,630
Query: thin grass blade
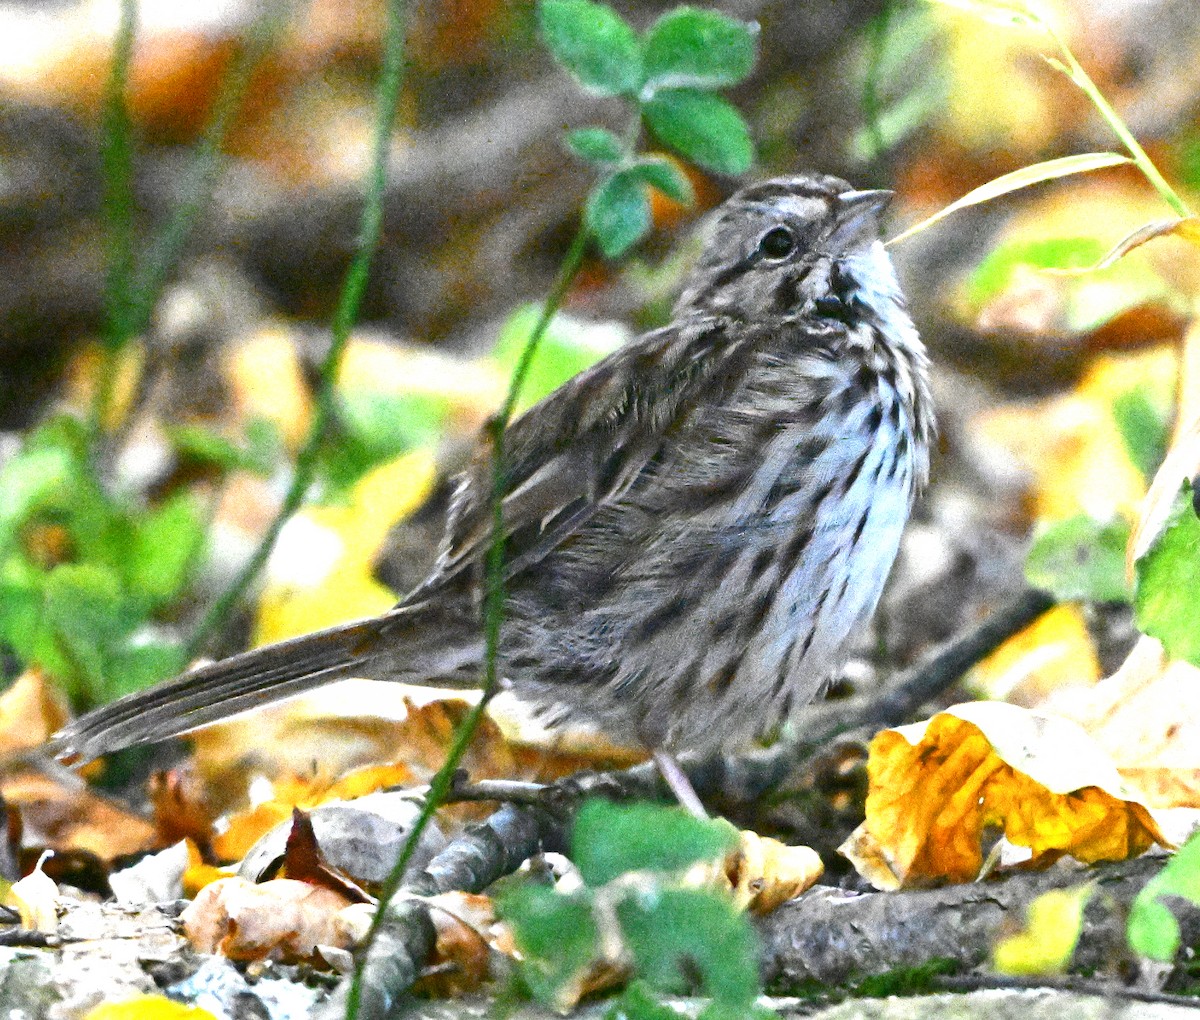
1025,177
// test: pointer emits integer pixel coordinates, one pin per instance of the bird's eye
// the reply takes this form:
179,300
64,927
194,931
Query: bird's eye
777,243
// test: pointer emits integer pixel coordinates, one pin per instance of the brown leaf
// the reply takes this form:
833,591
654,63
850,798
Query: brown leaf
282,919
467,935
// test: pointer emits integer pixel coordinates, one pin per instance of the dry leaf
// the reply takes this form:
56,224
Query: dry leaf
36,898
76,819
282,919
762,873
1040,780
467,935
1147,719
31,708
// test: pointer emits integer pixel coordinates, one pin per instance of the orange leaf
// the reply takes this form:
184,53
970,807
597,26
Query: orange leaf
935,786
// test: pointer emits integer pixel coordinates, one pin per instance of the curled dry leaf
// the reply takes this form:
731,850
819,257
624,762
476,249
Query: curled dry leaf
282,919
468,934
36,898
1040,780
760,873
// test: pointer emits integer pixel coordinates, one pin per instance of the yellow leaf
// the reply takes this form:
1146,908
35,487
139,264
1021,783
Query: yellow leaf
1047,942
267,381
147,1007
1054,651
1023,178
320,571
1040,780
762,872
1071,445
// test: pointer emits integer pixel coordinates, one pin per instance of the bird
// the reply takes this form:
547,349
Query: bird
693,527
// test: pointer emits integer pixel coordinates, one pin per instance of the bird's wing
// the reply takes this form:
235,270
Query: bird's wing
581,447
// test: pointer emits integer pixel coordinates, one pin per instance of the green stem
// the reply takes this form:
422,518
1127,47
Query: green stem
117,206
1074,70
493,615
344,317
202,173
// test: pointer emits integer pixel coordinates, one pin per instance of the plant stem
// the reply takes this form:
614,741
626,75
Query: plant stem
206,161
493,615
1075,71
117,206
344,317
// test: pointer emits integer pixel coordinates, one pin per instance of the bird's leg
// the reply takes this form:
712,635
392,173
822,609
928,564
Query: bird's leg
679,784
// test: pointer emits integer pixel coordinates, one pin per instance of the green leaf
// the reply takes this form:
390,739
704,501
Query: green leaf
1153,931
1081,560
26,482
703,128
665,176
1168,578
375,427
557,935
612,839
85,616
638,1002
995,273
618,213
675,934
596,145
1144,424
693,48
166,545
141,661
260,454
592,42
568,346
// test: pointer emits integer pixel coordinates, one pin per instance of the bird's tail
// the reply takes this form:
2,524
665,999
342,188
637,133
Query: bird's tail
234,685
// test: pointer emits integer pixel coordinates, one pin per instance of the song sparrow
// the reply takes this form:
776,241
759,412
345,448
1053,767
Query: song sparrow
694,525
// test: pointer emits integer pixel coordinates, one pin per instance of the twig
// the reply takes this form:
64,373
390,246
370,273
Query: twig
1081,985
742,779
471,862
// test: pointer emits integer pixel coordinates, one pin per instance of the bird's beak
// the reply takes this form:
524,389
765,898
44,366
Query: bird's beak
857,218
